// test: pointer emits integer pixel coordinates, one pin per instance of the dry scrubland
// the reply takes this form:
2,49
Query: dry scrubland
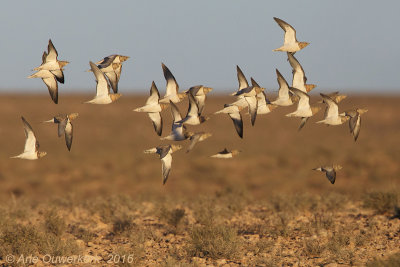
105,199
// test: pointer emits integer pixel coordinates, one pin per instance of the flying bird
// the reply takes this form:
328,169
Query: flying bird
31,149
335,96
199,93
290,43
226,154
51,63
330,171
299,76
250,95
115,58
285,96
65,127
103,95
234,112
332,116
355,121
178,132
240,102
51,82
195,138
304,110
153,108
165,153
172,89
111,66
193,116
264,106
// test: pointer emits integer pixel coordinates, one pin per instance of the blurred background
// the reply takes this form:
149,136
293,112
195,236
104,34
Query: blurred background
352,48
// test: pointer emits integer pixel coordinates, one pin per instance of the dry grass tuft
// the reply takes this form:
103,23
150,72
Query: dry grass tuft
53,223
215,242
381,202
391,261
172,217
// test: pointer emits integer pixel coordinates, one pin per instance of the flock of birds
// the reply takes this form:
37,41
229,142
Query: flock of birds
252,97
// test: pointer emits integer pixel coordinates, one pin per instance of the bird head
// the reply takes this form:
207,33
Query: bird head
207,89
361,110
303,44
41,154
123,58
164,106
235,152
114,97
182,96
203,118
309,87
315,110
337,167
259,89
344,118
73,116
176,147
63,64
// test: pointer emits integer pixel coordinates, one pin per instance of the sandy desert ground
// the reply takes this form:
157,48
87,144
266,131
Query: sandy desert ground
105,200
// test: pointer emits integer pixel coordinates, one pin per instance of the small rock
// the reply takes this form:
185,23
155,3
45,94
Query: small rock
90,244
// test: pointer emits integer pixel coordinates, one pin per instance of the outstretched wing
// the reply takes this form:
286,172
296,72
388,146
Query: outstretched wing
290,32
31,144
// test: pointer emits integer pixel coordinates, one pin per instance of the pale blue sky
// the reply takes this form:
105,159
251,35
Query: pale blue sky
354,44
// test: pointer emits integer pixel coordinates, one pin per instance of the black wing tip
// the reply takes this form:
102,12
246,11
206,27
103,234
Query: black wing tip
55,99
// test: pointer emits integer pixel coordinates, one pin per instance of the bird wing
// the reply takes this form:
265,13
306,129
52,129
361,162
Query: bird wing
177,128
68,134
332,109
193,141
62,123
44,57
106,61
200,102
176,115
155,117
356,126
303,122
154,95
31,144
299,77
59,75
113,79
102,87
51,52
166,166
331,175
172,85
52,85
193,110
304,102
241,79
237,122
252,102
290,32
283,86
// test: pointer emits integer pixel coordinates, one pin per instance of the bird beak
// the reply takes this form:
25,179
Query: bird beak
52,120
